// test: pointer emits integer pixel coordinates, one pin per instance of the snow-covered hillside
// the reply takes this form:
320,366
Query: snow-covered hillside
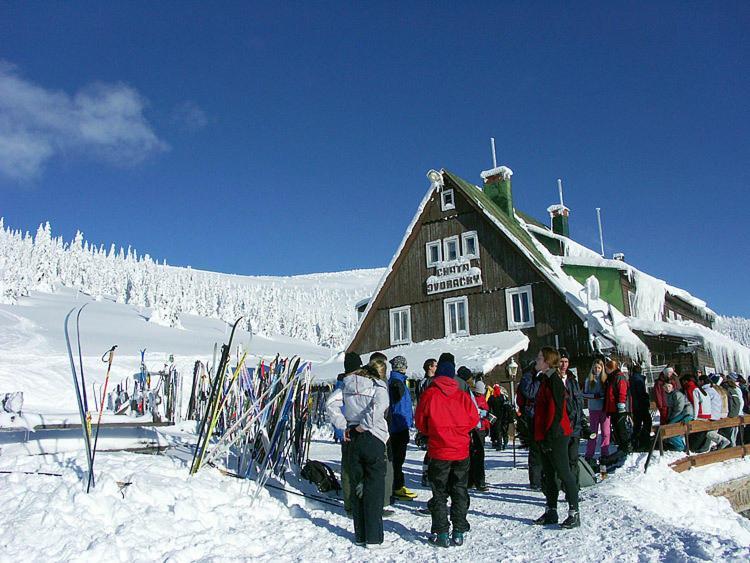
736,328
316,308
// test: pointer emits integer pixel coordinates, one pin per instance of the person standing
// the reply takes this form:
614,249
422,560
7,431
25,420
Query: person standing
401,420
641,409
429,367
552,431
574,406
528,388
476,448
617,405
500,407
446,415
667,375
352,361
364,399
598,418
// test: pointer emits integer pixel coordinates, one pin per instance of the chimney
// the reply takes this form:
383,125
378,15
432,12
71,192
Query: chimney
498,189
618,256
559,215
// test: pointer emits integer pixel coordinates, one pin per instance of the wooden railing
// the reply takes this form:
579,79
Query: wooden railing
684,429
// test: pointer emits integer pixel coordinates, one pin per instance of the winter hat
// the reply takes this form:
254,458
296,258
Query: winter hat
398,363
465,373
447,357
480,388
733,376
446,368
716,379
352,361
563,353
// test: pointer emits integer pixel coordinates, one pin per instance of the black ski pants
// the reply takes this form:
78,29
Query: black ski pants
642,427
367,463
476,459
556,464
399,441
449,479
535,465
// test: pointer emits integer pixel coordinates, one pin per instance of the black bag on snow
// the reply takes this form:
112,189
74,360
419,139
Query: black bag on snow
321,475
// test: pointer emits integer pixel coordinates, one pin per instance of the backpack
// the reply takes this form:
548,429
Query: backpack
321,475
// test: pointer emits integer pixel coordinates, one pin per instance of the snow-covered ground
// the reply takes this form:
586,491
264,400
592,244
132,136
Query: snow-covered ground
166,515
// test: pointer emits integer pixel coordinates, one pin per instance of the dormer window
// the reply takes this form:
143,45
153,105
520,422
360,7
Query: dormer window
447,201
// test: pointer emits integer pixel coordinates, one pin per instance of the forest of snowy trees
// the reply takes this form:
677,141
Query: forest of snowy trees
311,308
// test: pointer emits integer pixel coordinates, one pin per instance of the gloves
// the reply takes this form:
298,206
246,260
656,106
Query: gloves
621,407
492,418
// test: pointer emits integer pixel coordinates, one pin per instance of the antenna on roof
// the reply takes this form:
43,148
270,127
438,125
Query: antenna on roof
599,220
494,156
559,188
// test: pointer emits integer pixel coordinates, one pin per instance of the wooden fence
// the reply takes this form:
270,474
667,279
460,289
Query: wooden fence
684,429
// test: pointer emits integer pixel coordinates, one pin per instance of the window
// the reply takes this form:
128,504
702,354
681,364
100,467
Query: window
456,316
670,314
520,307
434,253
446,200
401,325
450,249
470,244
631,302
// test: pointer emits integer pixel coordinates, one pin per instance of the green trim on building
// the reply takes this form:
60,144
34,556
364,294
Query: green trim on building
610,286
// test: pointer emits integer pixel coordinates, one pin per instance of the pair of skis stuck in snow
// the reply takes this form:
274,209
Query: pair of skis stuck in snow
79,383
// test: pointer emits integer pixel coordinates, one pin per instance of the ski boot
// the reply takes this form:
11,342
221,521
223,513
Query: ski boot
440,540
572,521
457,538
549,517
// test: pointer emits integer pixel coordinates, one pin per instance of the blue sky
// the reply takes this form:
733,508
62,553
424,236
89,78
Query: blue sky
295,138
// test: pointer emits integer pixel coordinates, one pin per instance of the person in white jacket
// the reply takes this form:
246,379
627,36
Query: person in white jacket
364,398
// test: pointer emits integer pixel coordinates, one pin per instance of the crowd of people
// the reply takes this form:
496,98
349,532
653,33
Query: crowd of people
373,412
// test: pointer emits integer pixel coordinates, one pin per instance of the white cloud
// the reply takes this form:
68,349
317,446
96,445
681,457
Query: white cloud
105,121
190,116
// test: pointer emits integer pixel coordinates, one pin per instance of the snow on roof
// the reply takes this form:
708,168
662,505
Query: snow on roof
608,328
558,207
650,303
480,353
502,171
728,354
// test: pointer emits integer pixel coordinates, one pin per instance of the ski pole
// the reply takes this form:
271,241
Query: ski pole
109,354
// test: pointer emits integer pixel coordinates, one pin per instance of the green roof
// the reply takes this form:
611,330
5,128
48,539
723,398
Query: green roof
510,223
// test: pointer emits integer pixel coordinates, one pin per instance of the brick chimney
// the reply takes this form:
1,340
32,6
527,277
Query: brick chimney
498,188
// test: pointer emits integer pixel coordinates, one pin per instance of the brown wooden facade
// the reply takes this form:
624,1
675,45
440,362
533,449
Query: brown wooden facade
503,266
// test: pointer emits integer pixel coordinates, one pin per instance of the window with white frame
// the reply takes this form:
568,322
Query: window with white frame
400,325
450,248
434,253
470,243
456,316
520,307
447,201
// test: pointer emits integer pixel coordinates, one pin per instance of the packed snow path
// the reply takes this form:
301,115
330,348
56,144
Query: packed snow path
165,515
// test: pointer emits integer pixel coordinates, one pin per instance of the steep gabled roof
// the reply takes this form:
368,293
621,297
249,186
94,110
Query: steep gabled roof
607,327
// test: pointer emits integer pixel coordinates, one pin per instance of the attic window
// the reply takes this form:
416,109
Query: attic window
434,251
450,248
470,244
447,201
520,307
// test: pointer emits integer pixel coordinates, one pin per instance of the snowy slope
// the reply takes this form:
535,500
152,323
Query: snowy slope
737,328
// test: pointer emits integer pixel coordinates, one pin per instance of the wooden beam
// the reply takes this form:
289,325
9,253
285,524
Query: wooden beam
708,458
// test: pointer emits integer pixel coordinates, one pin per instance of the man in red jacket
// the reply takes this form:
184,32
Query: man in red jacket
618,406
446,415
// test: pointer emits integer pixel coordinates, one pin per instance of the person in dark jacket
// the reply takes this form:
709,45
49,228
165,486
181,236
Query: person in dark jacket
478,435
641,409
527,389
429,367
446,415
678,410
667,375
500,407
401,420
618,406
388,496
574,405
552,431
